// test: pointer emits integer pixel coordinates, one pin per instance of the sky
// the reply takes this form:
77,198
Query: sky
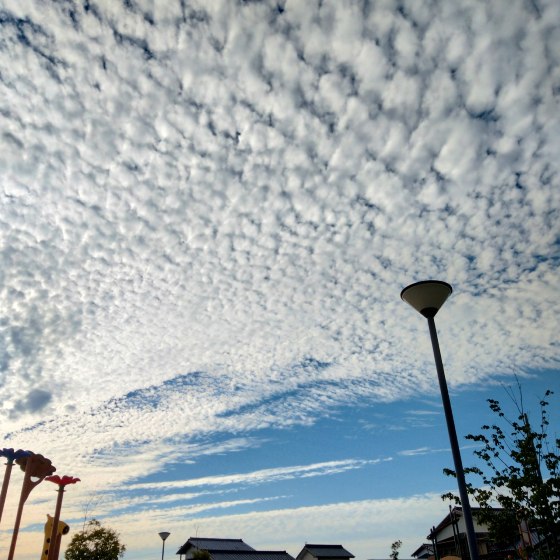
208,211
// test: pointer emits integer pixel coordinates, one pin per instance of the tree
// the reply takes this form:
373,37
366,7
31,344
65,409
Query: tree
521,475
95,543
395,550
201,555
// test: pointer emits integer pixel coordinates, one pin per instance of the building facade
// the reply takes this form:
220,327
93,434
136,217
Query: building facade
449,539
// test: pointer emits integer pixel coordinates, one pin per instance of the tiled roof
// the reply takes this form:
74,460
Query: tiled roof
251,555
326,551
214,545
423,551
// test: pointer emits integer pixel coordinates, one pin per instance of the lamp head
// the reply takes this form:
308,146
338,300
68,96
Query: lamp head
164,535
427,296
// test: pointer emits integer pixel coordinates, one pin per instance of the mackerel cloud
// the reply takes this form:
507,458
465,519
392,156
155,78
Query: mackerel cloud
209,210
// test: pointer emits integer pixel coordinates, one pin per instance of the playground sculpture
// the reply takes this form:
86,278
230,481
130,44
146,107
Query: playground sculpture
62,483
11,456
60,529
36,468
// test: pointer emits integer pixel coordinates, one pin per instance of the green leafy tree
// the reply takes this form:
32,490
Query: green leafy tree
395,550
95,542
521,475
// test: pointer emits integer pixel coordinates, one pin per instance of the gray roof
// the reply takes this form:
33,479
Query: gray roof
326,551
251,555
213,545
423,551
232,549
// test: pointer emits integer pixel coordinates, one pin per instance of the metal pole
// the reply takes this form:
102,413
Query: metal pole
162,548
469,526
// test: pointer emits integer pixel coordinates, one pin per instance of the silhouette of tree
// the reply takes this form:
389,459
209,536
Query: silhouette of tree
521,475
95,543
395,550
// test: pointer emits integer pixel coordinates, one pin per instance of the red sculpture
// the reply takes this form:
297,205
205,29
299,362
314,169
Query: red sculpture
62,480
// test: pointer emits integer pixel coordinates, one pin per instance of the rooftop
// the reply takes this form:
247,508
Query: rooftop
326,551
215,545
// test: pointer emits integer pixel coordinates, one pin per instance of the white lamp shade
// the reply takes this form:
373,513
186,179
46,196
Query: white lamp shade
427,296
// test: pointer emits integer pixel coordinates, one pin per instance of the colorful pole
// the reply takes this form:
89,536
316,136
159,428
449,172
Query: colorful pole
35,466
62,482
63,528
11,456
52,545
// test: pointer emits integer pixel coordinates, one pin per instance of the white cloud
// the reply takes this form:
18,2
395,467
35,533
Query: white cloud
265,475
209,211
365,527
420,451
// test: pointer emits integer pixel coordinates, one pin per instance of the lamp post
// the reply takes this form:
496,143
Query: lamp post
427,297
163,535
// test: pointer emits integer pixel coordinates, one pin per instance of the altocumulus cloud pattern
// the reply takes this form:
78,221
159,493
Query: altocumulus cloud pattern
209,210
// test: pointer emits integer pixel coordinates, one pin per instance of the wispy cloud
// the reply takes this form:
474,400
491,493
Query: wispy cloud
421,451
264,475
423,412
290,528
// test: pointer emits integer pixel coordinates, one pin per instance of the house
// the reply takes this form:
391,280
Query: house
212,545
324,552
424,551
228,549
449,538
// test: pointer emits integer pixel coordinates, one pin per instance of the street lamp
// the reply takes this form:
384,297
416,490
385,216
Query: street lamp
427,297
163,535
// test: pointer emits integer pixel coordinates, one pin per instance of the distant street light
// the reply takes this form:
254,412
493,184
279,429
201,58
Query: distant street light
163,535
427,297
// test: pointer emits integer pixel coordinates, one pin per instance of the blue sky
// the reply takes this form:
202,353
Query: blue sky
208,211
